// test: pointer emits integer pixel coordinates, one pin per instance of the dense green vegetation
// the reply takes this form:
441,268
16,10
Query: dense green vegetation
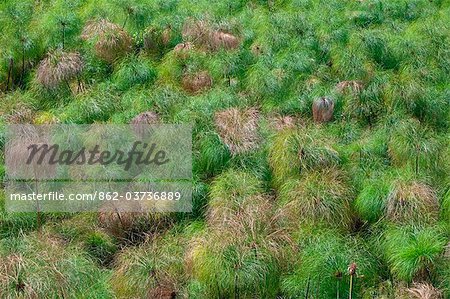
284,206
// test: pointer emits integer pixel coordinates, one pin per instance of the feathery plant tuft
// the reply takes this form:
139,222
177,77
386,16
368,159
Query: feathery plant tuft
414,145
109,39
318,196
411,200
294,151
238,129
34,265
414,251
132,71
59,67
321,266
365,196
241,253
156,267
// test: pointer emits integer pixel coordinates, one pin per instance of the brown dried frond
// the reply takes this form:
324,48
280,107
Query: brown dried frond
96,28
20,115
17,152
10,266
238,129
319,196
57,67
323,109
163,291
140,121
116,222
447,250
201,33
355,86
145,118
197,82
253,216
152,40
182,49
412,200
166,35
424,291
111,41
123,221
280,122
257,49
155,39
250,223
198,32
240,213
224,40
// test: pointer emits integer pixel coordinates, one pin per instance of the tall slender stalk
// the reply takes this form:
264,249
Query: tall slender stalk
417,163
351,287
352,272
236,289
337,289
10,69
307,288
338,276
128,12
23,64
125,22
63,25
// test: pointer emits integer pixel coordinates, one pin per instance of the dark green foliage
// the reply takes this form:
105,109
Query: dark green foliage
414,252
371,201
13,225
414,145
33,266
321,270
101,248
213,155
132,71
95,105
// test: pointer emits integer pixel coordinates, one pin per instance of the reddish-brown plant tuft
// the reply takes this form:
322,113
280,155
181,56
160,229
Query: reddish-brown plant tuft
111,41
57,67
224,40
280,122
355,86
164,290
197,82
145,118
323,109
423,291
197,31
201,33
182,49
411,200
238,129
132,227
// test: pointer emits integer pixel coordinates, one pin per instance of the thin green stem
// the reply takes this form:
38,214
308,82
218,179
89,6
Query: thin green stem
351,287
